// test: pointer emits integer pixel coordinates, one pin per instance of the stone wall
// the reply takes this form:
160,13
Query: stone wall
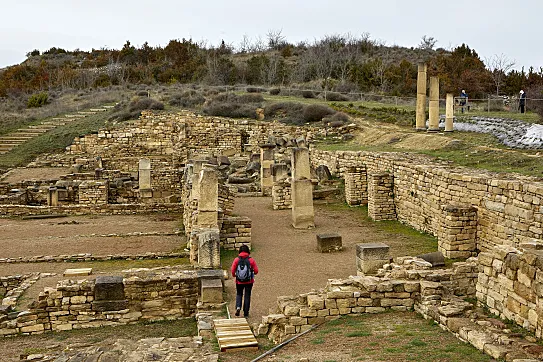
235,232
282,195
511,285
398,290
508,210
109,209
93,192
10,283
70,304
356,185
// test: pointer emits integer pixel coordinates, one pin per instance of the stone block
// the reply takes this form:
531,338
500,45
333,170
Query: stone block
329,242
77,272
371,257
109,288
436,258
209,253
211,291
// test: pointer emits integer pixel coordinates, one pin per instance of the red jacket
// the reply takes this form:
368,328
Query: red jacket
235,266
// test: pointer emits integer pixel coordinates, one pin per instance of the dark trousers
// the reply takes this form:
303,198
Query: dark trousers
240,289
521,108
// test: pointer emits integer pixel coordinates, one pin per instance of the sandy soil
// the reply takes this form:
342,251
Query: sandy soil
39,173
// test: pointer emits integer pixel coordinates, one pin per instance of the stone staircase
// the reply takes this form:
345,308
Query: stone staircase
11,140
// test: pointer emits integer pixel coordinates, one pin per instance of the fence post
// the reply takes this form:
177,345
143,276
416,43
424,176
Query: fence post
488,107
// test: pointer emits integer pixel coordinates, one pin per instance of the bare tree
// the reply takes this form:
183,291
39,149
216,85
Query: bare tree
244,44
275,39
427,43
499,66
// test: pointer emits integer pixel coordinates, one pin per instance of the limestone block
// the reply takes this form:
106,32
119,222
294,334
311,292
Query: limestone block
329,242
209,253
109,294
371,257
211,291
303,214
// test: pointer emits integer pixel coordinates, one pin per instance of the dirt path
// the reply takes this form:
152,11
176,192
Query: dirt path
287,258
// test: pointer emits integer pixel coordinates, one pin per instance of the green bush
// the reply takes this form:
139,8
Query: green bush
140,104
308,94
38,100
285,110
188,99
336,97
233,110
275,91
254,90
340,117
316,112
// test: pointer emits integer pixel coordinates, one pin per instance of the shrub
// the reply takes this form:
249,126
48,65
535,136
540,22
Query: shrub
142,93
340,117
233,110
275,91
254,90
346,87
316,112
336,97
38,100
139,104
308,94
250,98
285,110
189,99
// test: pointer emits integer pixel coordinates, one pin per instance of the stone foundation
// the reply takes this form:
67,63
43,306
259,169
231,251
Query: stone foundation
356,186
381,204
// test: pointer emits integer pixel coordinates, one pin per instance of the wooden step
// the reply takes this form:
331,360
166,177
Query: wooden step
234,334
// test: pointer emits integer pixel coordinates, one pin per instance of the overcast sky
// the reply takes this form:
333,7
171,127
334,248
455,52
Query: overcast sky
491,27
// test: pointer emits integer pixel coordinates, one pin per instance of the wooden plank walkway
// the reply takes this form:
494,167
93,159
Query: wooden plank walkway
234,334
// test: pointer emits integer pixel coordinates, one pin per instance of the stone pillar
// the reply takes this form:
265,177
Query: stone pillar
209,249
52,196
99,162
98,173
266,164
434,105
421,98
356,185
208,200
279,172
109,294
381,197
303,215
300,166
371,257
456,237
197,166
449,113
144,178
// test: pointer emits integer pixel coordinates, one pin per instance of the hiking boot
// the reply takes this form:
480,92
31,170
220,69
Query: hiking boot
237,312
245,315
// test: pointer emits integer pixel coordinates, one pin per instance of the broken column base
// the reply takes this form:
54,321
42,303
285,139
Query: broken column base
327,243
371,257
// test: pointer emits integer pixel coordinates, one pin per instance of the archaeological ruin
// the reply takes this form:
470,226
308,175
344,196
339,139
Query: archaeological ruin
199,165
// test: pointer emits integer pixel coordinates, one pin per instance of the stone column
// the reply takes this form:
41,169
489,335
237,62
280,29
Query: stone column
303,215
381,197
52,196
300,166
209,250
279,172
197,166
266,164
208,200
449,113
144,178
434,105
421,98
456,238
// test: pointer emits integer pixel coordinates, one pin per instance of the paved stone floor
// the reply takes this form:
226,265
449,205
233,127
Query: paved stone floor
124,350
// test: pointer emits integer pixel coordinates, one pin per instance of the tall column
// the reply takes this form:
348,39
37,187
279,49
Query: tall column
197,166
208,201
300,163
303,215
421,98
52,196
144,178
449,113
266,164
434,105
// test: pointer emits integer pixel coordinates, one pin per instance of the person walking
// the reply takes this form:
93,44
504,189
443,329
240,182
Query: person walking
463,99
522,101
244,269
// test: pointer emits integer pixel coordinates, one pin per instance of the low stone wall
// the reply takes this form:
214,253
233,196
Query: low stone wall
74,258
398,289
235,232
508,210
93,192
511,285
282,195
109,209
70,304
10,283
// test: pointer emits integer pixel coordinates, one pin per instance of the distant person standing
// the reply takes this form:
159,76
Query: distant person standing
463,99
522,101
244,269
